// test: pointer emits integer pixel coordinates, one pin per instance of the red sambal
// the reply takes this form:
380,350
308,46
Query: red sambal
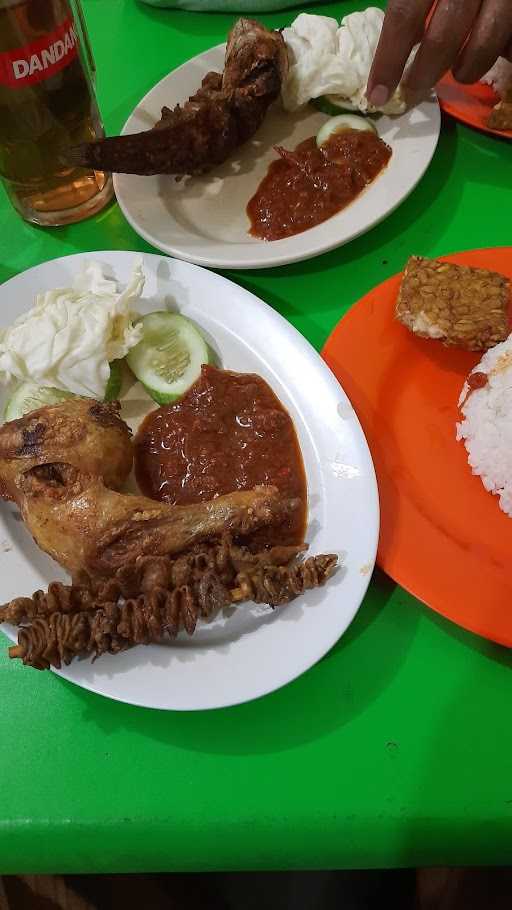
309,185
477,380
228,432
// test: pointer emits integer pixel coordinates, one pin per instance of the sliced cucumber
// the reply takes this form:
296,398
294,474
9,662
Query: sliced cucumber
113,389
342,123
28,397
332,104
168,359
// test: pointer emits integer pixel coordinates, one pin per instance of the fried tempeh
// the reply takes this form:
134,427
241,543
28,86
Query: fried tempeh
461,306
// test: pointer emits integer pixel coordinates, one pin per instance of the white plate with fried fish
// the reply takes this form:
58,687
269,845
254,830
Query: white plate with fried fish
250,650
204,220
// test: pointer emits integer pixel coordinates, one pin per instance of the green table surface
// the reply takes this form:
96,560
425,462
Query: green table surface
396,749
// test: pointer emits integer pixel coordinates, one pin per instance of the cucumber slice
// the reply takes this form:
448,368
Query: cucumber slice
28,397
342,123
168,359
332,104
113,389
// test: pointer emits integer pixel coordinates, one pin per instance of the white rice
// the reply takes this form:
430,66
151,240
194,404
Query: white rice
486,427
500,77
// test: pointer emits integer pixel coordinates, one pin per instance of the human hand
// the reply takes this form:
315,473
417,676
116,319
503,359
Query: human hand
466,36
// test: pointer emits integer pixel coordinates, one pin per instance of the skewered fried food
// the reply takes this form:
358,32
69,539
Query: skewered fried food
223,114
142,570
461,306
227,567
60,636
92,531
87,434
223,559
59,598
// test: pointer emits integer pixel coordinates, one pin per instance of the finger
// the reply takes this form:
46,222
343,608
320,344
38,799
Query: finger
446,33
403,24
489,37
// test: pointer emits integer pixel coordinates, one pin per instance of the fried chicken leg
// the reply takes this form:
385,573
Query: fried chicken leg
223,114
142,570
87,434
91,531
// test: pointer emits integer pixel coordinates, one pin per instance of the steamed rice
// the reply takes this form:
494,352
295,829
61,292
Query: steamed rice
486,427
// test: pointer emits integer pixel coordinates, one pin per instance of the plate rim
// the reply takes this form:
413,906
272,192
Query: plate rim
451,110
407,585
373,515
227,262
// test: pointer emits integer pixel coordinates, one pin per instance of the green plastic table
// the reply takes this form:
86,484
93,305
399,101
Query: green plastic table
396,749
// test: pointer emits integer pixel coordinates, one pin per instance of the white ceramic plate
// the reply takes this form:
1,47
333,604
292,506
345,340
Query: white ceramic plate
204,220
254,650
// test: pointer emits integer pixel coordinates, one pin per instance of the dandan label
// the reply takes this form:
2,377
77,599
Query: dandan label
40,59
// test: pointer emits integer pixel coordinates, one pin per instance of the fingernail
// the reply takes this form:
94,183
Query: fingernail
379,95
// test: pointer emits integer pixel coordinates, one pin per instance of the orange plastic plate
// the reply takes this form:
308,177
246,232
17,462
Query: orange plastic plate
443,537
471,104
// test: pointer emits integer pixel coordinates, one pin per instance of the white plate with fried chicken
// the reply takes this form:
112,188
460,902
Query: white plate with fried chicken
66,466
231,130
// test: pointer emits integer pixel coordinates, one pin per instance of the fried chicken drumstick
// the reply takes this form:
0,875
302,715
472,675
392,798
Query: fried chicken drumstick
142,570
88,434
223,114
92,531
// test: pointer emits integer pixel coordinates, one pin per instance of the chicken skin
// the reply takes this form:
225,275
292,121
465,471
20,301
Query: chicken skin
91,531
85,433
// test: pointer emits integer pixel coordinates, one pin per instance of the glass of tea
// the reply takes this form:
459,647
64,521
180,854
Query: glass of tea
47,106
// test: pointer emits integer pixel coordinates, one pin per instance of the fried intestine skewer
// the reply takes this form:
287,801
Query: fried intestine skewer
142,570
172,595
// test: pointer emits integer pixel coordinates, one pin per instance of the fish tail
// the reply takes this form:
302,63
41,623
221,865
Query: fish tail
143,153
79,155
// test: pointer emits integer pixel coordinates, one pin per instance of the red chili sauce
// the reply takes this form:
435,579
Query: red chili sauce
307,186
229,432
477,380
